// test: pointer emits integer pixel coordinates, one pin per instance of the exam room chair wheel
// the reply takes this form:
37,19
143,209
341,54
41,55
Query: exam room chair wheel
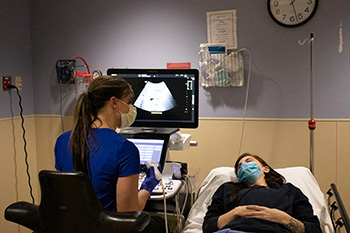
69,204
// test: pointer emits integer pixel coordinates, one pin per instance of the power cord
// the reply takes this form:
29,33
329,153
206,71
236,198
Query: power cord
14,149
246,99
14,156
25,142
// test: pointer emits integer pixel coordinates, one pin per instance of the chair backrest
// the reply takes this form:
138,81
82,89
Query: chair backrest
68,202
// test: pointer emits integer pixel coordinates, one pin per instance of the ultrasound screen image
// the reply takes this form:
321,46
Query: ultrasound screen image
155,97
163,98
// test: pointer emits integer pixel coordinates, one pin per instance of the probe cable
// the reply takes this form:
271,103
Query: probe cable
186,197
190,188
165,212
178,212
25,143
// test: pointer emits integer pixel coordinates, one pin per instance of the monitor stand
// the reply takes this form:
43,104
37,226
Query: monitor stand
137,130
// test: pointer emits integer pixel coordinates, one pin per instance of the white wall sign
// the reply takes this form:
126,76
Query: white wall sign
222,27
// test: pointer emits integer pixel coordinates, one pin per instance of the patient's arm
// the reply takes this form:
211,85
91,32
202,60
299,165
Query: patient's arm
254,211
275,215
226,218
295,225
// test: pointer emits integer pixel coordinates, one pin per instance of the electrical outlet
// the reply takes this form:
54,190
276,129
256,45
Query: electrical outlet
18,82
5,82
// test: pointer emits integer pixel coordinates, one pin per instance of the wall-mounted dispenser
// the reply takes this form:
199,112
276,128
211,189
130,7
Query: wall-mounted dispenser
220,67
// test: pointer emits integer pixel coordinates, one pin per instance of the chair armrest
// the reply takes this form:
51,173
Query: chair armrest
123,222
25,214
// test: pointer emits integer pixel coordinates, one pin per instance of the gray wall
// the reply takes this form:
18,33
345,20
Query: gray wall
15,55
150,33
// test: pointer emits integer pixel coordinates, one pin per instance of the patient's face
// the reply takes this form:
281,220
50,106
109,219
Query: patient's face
265,169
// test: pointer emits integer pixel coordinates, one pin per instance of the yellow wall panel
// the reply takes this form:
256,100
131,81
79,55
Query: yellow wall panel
13,171
343,163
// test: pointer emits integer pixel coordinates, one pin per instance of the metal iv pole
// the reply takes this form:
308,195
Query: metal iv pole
312,122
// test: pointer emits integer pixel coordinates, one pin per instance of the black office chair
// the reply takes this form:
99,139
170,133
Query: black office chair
69,205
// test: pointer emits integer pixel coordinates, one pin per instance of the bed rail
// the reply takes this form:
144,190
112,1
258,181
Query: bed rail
337,205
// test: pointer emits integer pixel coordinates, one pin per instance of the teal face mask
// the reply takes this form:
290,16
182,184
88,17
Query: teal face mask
248,173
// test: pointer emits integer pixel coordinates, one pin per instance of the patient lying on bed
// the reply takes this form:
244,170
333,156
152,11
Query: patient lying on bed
261,201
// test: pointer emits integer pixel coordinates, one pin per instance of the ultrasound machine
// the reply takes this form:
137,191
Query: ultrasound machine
166,100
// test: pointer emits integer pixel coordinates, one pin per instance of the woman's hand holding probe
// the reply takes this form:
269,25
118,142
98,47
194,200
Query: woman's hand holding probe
153,176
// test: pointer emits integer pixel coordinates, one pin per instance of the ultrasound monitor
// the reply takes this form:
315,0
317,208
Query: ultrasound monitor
152,147
163,97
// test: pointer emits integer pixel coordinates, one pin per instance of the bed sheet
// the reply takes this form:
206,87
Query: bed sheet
301,177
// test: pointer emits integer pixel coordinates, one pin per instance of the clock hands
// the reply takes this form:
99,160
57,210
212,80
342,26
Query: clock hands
292,13
292,3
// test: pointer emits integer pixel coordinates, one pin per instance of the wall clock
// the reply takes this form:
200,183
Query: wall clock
292,13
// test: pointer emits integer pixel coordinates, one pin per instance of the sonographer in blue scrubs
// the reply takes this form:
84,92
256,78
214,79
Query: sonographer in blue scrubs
94,147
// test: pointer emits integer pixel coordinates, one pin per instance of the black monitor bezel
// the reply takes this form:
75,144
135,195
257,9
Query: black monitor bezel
180,124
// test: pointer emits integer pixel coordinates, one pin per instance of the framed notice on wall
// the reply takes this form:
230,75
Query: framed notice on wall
222,28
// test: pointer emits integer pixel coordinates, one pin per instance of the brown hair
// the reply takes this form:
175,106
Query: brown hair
86,110
271,177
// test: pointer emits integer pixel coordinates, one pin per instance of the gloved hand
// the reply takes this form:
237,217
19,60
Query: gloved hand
153,176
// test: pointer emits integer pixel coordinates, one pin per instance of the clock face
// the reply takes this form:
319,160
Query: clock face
292,13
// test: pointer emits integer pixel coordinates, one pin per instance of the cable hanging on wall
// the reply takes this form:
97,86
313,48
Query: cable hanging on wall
14,150
245,101
25,143
221,67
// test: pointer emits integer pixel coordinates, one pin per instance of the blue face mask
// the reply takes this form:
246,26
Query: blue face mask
248,173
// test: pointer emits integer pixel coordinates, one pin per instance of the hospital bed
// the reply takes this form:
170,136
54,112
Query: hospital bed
336,205
301,177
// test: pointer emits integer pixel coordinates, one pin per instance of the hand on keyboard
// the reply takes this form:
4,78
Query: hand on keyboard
153,176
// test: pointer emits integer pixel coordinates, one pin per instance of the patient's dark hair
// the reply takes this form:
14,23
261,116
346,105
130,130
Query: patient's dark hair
271,177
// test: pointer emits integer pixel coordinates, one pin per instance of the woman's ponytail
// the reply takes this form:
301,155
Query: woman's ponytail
81,130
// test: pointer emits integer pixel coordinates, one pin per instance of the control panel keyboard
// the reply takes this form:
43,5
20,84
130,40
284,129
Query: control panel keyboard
171,187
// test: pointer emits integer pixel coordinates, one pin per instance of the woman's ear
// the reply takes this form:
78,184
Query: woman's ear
113,101
266,169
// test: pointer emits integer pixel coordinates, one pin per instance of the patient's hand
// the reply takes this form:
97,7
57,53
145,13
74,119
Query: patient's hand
226,218
239,211
274,215
254,211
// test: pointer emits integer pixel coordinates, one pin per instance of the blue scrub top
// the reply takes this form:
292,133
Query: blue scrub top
111,156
